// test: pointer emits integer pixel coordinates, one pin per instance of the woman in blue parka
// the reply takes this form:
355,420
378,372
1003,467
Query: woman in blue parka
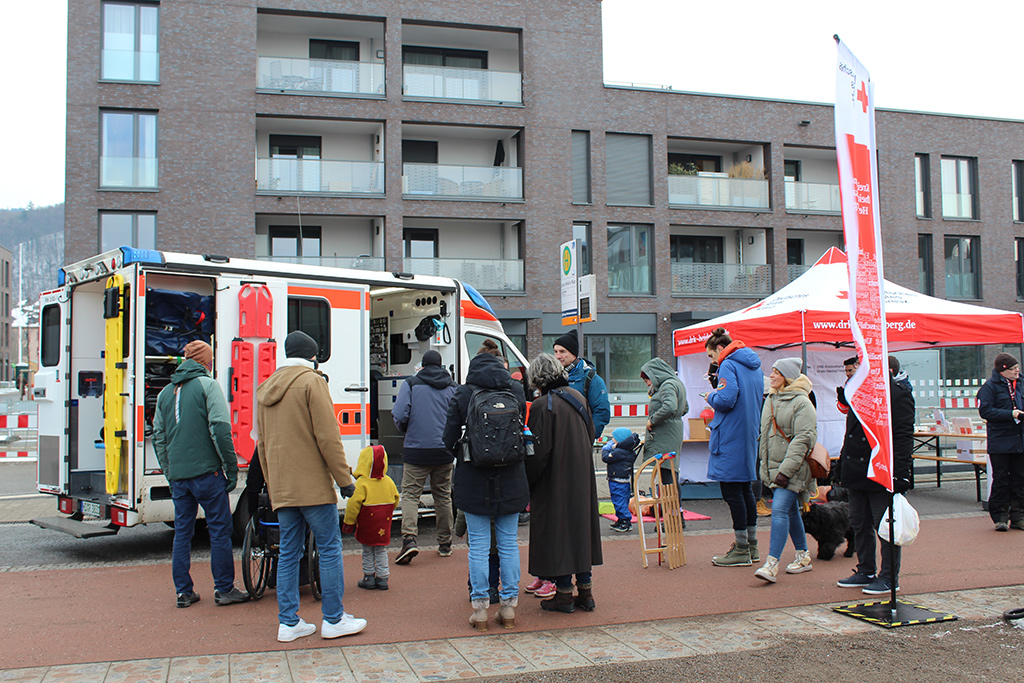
733,445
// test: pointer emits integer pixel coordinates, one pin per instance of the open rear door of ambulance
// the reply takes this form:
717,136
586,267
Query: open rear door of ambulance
51,391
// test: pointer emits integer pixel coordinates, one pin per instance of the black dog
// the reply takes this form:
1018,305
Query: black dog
829,524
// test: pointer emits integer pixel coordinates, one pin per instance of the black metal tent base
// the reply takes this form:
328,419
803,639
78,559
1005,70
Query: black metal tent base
882,614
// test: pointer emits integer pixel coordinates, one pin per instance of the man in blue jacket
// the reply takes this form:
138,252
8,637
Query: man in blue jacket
420,411
583,378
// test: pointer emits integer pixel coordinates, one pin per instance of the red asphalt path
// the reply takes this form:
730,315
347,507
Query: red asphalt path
66,616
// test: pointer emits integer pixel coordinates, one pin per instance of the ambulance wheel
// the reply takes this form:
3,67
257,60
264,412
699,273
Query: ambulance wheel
255,561
313,557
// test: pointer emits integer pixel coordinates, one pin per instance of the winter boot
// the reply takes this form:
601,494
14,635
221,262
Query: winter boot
506,615
479,618
585,596
801,564
769,571
755,555
369,582
738,556
562,602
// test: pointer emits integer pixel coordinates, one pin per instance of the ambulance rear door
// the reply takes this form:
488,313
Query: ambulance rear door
51,390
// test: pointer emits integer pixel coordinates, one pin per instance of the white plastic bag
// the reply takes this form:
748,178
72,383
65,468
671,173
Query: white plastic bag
906,524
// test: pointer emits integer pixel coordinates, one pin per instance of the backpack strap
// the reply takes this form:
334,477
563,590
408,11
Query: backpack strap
579,407
591,373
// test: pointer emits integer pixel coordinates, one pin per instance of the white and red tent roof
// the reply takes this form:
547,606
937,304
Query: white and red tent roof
815,309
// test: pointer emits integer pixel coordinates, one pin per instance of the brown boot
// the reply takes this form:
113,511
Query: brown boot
479,618
562,602
506,615
585,596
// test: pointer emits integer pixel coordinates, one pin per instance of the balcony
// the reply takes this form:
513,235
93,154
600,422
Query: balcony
712,279
454,83
794,271
957,205
361,262
130,65
698,190
495,183
812,197
319,176
322,77
128,172
487,275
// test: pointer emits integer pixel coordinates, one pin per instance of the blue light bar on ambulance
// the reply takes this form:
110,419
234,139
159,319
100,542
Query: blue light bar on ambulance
478,298
133,255
106,263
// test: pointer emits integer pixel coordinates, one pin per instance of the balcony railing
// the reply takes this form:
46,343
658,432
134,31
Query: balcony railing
478,182
812,197
321,76
128,172
721,278
957,205
452,83
130,65
356,262
319,176
793,271
487,275
690,190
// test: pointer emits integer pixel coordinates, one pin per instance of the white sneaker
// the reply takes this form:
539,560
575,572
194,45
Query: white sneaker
346,626
286,633
801,564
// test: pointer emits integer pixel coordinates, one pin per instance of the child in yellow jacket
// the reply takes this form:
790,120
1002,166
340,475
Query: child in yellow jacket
369,512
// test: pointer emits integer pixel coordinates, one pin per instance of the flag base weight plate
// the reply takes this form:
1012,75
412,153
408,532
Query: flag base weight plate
881,613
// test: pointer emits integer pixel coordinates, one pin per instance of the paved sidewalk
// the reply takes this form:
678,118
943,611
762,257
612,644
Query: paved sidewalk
501,653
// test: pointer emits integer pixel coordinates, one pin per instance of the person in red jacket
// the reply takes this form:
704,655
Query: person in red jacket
369,513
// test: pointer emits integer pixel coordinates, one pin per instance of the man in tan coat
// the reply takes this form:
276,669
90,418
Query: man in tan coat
302,457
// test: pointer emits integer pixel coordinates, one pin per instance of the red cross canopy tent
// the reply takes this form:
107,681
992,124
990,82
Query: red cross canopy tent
814,309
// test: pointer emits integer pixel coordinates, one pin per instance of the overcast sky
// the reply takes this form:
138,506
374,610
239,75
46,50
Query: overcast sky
942,56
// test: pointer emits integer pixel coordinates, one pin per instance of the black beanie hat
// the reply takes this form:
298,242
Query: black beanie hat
570,342
431,357
298,344
1004,361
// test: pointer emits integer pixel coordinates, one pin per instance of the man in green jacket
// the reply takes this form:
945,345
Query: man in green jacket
192,438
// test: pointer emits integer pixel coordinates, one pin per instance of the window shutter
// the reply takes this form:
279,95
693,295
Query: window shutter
580,167
628,160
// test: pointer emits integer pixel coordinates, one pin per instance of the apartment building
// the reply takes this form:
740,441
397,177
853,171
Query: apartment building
471,139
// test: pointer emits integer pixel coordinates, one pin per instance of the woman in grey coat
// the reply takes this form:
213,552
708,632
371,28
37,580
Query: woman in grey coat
664,413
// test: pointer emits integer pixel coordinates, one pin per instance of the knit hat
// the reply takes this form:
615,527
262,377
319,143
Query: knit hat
621,434
298,344
788,367
852,360
1004,361
570,342
200,352
431,357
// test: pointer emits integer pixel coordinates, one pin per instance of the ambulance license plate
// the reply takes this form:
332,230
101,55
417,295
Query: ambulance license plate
90,509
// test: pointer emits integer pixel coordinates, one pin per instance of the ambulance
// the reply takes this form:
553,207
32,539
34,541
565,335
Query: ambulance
112,332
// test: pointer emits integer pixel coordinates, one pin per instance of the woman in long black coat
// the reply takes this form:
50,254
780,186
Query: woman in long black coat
565,537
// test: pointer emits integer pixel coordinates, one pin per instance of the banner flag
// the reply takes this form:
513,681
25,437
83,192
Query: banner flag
868,389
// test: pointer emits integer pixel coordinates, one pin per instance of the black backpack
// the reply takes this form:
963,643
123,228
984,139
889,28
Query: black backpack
494,429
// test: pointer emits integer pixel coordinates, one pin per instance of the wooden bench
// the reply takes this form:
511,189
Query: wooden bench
979,467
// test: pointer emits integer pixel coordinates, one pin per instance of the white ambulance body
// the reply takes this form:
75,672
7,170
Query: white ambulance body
97,367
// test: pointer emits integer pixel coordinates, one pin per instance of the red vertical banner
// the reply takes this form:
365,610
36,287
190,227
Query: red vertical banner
868,389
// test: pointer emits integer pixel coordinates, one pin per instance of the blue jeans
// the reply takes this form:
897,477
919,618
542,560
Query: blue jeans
620,494
210,491
786,520
478,527
323,520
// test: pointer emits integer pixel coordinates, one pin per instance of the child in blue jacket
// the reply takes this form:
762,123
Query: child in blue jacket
620,454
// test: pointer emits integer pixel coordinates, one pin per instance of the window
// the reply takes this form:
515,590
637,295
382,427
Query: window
49,352
618,358
295,146
629,259
959,178
693,249
127,229
128,149
791,170
293,241
694,163
922,186
925,270
419,151
334,50
794,251
130,50
1018,258
312,316
581,233
1017,180
474,340
963,268
444,56
628,170
580,167
420,242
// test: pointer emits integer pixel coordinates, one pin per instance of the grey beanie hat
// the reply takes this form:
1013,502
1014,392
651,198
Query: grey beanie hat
298,344
788,367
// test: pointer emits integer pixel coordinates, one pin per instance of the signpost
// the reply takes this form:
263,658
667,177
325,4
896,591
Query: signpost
578,293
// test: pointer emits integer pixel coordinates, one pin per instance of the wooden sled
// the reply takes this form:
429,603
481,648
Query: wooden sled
664,497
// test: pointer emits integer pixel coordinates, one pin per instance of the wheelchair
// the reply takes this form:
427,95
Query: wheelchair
260,550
